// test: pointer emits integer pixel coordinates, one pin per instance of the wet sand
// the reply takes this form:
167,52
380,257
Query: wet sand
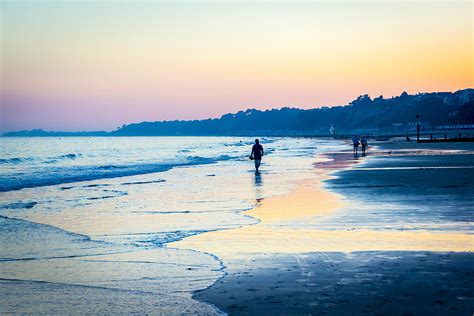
360,283
391,235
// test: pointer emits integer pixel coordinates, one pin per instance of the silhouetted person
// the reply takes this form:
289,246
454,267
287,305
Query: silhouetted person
257,153
355,143
363,142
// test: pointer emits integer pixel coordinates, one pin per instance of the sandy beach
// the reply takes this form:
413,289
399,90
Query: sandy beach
389,234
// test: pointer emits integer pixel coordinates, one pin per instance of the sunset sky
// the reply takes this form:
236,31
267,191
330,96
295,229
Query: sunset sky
95,65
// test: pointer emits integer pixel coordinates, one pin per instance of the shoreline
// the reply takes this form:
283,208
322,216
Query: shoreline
310,199
232,246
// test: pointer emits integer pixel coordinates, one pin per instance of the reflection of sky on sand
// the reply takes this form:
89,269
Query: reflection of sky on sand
263,239
291,223
304,202
274,235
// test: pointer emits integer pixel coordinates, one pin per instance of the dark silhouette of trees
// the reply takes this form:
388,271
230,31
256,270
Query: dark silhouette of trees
441,108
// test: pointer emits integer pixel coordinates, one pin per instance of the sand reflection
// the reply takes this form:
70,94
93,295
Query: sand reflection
274,235
258,179
304,202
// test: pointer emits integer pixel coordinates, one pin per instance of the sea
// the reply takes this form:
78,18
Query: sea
85,221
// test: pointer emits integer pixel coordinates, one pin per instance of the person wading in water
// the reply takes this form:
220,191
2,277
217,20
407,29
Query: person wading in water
257,153
363,142
355,143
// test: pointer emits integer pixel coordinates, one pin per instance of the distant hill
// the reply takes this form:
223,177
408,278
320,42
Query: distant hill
364,113
443,108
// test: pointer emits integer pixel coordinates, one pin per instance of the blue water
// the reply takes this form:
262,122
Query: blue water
89,219
34,162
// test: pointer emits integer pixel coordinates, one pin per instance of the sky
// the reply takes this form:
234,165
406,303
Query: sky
95,65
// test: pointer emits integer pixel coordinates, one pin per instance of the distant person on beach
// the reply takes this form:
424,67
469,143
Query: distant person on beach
355,143
257,153
363,142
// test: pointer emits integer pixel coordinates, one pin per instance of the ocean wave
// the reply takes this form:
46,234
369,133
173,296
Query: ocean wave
54,175
18,205
49,160
160,239
15,160
144,182
239,144
150,240
249,142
